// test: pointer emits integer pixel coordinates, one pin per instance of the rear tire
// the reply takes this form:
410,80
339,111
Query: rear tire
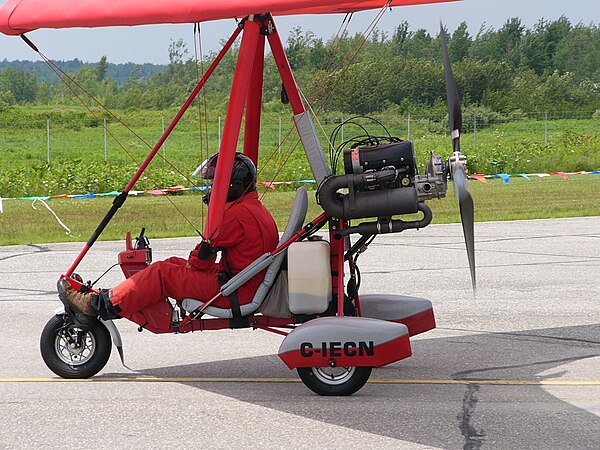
334,380
71,352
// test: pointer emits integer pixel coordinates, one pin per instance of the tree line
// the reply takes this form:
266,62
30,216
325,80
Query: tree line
555,66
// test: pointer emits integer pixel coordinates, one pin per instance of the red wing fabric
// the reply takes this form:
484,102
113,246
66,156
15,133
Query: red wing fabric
20,16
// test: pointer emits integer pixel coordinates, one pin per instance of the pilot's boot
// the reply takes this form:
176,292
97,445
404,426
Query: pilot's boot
79,301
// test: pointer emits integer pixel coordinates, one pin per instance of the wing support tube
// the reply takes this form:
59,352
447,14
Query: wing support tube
118,202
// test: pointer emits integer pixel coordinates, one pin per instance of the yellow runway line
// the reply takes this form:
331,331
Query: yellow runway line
294,380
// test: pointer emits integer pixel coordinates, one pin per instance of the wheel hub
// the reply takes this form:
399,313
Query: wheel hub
333,375
74,347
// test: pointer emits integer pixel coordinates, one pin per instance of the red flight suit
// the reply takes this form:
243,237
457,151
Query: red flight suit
247,232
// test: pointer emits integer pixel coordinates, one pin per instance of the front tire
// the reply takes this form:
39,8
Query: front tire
334,380
72,352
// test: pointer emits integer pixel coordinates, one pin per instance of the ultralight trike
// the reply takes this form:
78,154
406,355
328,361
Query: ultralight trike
310,293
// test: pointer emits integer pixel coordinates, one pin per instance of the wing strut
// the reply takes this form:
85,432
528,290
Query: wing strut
246,92
233,122
254,103
245,97
118,202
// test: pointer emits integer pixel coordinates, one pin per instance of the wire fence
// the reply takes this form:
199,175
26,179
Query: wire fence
59,140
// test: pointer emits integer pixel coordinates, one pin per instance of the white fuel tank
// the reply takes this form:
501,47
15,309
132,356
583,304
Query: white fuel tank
309,277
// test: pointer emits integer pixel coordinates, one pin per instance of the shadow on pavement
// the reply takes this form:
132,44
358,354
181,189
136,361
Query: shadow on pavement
440,415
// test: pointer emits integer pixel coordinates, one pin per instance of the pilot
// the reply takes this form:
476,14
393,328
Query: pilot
247,232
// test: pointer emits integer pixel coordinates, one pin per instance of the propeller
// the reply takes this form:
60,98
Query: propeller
458,162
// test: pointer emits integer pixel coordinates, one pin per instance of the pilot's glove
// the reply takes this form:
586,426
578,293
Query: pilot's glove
205,251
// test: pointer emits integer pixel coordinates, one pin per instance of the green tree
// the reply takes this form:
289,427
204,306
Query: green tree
524,93
543,42
400,38
177,52
101,68
420,45
476,79
579,52
366,88
417,81
558,92
460,43
18,86
298,47
86,78
502,45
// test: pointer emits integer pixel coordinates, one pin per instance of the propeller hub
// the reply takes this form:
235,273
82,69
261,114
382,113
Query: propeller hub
457,161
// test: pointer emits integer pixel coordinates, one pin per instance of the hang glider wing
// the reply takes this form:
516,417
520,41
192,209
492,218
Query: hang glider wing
21,16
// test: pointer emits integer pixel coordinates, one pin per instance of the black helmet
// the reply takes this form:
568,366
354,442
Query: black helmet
243,176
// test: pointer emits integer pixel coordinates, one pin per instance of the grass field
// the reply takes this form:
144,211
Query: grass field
80,161
20,223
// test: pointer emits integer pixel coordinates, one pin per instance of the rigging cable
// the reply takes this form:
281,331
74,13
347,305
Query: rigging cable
201,115
326,63
329,59
351,56
347,60
64,77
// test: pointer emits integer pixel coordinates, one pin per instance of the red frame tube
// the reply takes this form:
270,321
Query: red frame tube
293,94
262,322
155,150
231,130
254,103
336,251
269,329
287,77
246,93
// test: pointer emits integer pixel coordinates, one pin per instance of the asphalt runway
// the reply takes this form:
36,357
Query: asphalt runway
516,366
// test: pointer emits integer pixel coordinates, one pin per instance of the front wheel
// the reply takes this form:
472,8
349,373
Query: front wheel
72,352
334,380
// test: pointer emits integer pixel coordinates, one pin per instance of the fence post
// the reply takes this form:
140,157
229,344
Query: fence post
164,146
105,146
474,130
48,138
408,128
546,128
219,131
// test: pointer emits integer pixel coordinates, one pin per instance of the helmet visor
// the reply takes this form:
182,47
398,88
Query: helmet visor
208,168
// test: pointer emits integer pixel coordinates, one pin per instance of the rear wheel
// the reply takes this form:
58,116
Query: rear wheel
334,380
73,352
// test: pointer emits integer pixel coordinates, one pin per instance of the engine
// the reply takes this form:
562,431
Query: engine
381,181
397,158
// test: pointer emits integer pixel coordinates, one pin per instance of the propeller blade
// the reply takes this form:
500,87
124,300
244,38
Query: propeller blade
454,111
458,162
467,217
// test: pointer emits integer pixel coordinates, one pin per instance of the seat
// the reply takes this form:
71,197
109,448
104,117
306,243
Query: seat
294,224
